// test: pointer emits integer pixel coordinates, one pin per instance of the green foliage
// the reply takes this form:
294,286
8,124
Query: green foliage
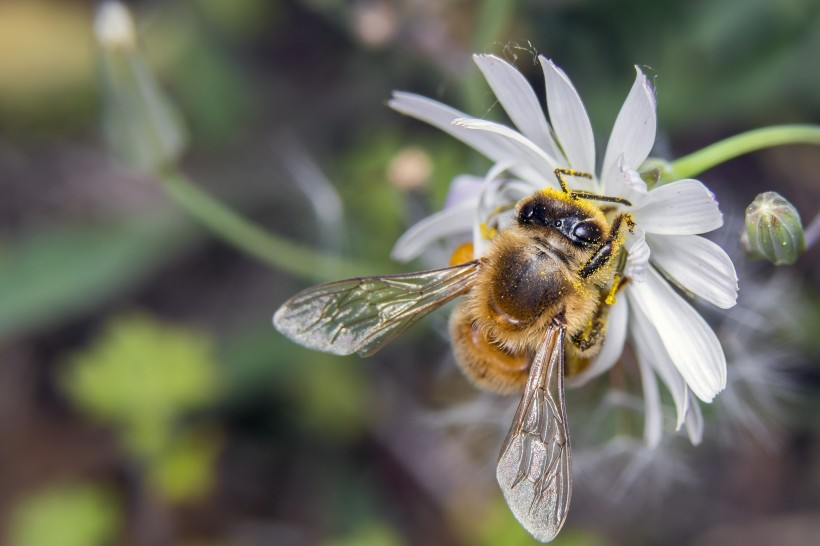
499,526
184,469
69,270
79,515
141,377
333,397
370,534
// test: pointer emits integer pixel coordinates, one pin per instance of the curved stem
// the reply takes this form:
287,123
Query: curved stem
268,248
715,154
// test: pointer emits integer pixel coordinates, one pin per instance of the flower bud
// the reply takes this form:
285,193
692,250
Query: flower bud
140,124
773,229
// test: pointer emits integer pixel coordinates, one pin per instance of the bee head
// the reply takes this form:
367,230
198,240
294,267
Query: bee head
580,222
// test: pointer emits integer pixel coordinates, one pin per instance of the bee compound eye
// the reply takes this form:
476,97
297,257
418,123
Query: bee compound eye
526,213
586,232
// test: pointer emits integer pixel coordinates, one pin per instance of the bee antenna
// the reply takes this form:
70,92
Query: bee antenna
559,174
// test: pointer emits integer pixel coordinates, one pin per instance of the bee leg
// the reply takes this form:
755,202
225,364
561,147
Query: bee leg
608,248
559,174
593,334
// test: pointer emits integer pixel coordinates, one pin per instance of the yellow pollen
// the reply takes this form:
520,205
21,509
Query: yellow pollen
487,232
462,254
610,297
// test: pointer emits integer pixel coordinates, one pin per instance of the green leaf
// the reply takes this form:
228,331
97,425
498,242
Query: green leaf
80,515
373,533
184,470
141,376
67,271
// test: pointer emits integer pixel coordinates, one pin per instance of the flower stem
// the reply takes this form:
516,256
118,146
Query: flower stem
706,158
268,248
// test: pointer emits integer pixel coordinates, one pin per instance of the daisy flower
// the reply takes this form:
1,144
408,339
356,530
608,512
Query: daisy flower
669,338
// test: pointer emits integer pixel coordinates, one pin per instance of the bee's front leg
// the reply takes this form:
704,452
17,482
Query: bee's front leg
608,249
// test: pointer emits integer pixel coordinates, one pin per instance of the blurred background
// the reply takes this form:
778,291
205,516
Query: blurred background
146,400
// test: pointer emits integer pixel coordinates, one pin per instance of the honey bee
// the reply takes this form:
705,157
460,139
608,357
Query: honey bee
538,298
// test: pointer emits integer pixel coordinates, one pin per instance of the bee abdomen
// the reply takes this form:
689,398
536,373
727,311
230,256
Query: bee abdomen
488,365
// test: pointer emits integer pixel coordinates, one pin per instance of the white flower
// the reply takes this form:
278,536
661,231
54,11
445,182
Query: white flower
669,337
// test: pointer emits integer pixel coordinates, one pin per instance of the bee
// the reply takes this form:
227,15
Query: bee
537,299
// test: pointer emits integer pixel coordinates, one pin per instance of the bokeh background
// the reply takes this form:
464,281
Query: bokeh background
146,400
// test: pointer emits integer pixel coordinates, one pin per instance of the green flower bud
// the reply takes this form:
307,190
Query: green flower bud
773,229
140,123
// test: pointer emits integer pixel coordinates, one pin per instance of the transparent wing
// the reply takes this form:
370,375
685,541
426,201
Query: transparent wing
534,468
361,315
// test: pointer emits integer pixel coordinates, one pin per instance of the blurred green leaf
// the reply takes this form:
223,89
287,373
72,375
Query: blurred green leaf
499,526
80,515
334,396
70,270
140,376
370,534
184,470
240,18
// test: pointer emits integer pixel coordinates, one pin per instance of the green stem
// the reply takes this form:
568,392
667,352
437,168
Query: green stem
248,237
706,158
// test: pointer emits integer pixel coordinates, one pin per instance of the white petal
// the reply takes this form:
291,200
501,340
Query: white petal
685,207
626,183
633,134
653,420
694,421
612,348
690,342
638,254
440,115
650,352
569,118
698,265
526,153
462,188
515,94
446,223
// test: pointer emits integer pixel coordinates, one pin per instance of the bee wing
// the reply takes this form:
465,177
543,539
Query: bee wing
361,315
534,468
